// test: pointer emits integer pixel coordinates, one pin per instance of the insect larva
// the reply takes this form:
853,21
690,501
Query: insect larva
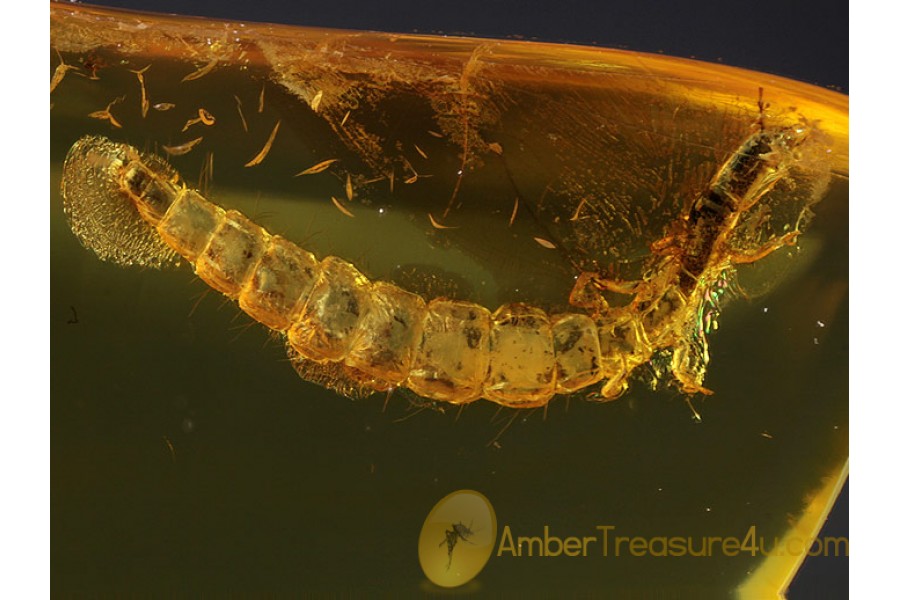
357,335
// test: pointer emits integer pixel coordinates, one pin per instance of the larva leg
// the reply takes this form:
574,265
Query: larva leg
623,346
587,293
689,362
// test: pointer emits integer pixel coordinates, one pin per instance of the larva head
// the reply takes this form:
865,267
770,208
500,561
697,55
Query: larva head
101,212
800,174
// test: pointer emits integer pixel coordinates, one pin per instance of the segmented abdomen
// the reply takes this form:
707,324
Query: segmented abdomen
382,335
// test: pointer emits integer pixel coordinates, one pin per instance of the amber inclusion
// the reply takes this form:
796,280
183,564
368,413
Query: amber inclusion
520,169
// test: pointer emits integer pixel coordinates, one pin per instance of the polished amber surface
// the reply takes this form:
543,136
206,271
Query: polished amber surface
484,171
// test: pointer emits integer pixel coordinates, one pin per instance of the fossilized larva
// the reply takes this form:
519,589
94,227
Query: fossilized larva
674,302
382,335
357,335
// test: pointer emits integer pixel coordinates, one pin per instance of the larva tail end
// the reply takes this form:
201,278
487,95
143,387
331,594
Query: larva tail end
100,212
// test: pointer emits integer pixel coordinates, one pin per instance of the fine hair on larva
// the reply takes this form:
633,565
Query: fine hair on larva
356,335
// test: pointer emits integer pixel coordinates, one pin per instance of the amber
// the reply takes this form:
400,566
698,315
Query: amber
481,172
669,315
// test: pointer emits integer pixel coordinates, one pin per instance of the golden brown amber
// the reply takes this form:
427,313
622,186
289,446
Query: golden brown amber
583,182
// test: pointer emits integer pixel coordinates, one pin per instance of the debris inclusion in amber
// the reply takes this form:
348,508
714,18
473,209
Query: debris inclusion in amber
690,185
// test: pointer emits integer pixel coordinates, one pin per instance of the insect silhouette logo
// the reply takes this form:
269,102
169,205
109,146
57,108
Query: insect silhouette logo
457,532
457,538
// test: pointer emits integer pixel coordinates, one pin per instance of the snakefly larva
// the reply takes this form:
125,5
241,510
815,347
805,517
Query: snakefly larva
370,335
497,238
620,220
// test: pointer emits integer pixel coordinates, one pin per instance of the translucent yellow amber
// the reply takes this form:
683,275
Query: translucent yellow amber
471,174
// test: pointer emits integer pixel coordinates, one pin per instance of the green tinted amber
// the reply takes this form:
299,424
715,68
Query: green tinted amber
483,172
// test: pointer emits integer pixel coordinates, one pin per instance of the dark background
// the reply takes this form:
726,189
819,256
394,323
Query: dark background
805,40
800,39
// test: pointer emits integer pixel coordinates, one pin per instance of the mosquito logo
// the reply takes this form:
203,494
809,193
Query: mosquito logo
462,518
457,532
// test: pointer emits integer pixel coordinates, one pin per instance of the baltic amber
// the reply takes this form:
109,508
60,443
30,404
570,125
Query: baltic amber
479,173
